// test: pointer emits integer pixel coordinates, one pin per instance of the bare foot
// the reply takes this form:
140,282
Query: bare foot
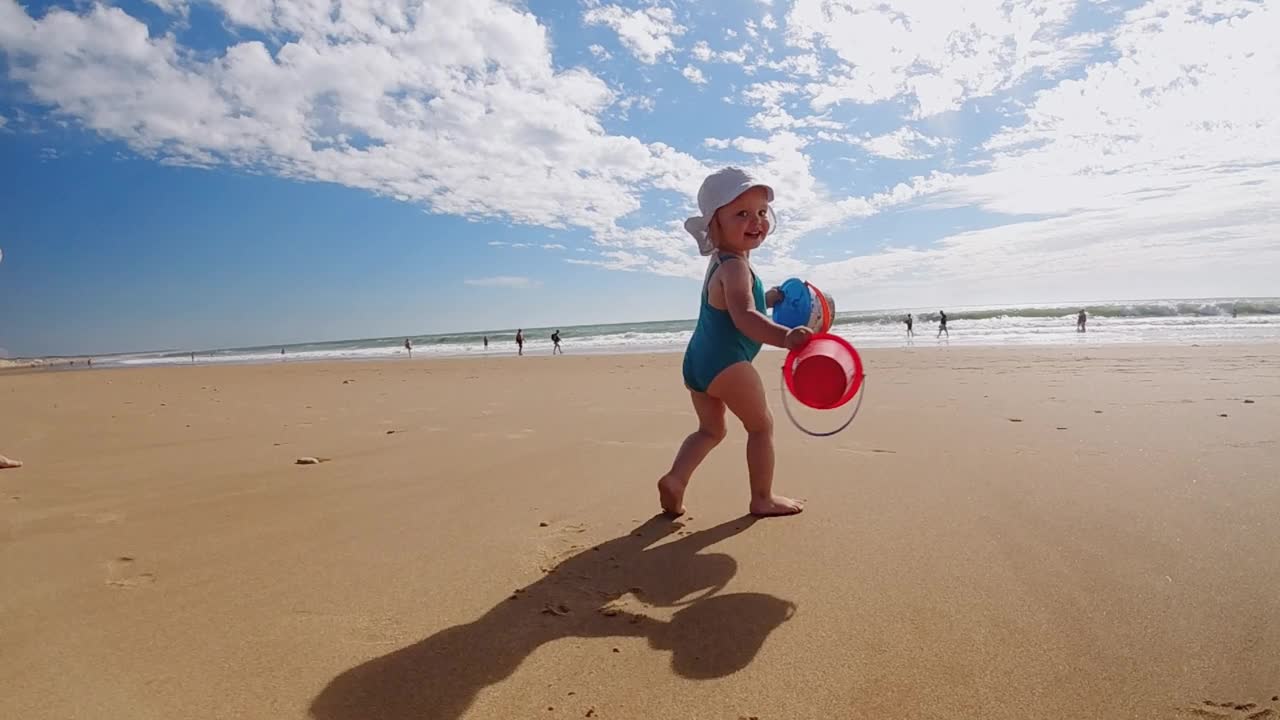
7,463
776,505
671,494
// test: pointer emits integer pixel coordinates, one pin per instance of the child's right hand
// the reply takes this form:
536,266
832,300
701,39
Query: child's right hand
798,337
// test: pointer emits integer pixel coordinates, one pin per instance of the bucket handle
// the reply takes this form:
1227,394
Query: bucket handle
862,392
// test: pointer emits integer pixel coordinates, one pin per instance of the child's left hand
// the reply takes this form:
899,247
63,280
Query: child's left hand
773,296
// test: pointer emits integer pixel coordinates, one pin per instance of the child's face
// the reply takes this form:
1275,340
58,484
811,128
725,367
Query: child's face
743,224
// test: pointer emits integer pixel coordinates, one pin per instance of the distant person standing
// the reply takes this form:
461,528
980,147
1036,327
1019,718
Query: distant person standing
909,321
1081,319
408,346
519,341
555,343
486,342
942,324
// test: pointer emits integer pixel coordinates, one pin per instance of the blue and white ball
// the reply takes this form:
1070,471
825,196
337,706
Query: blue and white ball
800,306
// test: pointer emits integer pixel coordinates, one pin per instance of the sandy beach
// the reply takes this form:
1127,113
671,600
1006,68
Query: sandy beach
1002,533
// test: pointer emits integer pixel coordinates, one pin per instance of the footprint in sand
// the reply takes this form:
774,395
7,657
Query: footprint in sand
377,631
1232,710
123,572
105,518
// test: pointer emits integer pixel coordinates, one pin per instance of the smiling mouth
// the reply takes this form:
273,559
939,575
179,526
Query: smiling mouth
753,236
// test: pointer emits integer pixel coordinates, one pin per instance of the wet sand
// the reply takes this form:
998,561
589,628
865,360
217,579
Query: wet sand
1002,533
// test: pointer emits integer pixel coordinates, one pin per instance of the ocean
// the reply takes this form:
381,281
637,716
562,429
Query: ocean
1172,322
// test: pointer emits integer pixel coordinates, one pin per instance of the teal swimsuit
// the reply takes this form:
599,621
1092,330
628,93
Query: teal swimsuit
717,343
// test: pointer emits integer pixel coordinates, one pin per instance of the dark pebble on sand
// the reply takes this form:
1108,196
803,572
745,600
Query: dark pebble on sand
1097,412
1248,402
1222,415
1275,698
617,650
591,712
1015,419
391,432
543,524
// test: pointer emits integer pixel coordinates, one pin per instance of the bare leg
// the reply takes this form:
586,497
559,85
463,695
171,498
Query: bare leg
6,463
693,451
740,388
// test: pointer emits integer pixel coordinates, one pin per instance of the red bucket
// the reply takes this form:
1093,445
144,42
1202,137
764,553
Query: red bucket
824,374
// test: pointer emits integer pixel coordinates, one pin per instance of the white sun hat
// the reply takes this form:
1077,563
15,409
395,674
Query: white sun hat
719,189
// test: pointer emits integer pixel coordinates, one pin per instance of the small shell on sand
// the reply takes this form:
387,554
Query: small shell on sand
9,463
310,460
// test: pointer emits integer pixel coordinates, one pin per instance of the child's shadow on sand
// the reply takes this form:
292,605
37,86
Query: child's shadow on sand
709,637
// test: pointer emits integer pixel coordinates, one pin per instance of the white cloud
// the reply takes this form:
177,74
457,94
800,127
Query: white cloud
693,75
646,32
643,102
172,7
802,65
376,100
3,121
505,281
702,52
553,246
936,54
1153,172
905,143
600,53
768,23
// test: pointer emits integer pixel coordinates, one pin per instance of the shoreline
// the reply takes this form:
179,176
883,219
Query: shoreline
30,365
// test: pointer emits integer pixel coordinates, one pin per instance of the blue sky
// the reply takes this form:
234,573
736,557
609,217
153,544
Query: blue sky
236,172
